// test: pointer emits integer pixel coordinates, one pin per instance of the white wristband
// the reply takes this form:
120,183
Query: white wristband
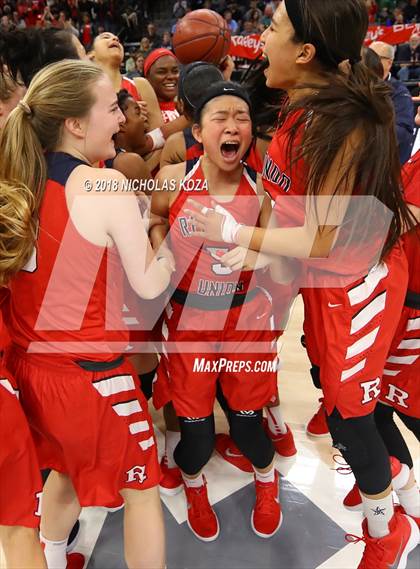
157,138
230,226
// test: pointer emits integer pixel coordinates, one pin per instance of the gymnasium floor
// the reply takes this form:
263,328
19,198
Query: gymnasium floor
315,523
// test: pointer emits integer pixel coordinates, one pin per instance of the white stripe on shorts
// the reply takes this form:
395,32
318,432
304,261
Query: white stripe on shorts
407,360
113,385
368,313
391,371
410,344
413,324
139,427
362,291
362,344
144,445
347,373
128,408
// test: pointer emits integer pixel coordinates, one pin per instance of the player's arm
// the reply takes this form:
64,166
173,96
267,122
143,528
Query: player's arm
174,150
323,217
132,166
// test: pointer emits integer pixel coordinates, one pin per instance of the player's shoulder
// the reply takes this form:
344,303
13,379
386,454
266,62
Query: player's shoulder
172,171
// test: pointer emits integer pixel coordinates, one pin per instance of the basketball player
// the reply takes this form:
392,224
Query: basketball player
204,294
355,323
400,389
20,479
162,71
89,419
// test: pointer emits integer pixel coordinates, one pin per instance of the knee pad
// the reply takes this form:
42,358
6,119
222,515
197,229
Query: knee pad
361,445
146,382
247,431
196,445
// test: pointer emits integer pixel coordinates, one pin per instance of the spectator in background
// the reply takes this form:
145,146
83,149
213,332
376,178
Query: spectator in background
232,24
252,8
166,40
255,19
409,52
248,28
398,16
86,32
411,11
153,37
18,22
139,65
268,14
144,48
179,9
5,25
401,99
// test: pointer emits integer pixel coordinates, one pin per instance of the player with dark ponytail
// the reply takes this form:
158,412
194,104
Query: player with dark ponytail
337,140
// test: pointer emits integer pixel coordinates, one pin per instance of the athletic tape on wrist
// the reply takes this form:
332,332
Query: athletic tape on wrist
157,138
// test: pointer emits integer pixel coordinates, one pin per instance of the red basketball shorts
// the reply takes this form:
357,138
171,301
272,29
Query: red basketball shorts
401,377
351,333
92,425
20,478
239,356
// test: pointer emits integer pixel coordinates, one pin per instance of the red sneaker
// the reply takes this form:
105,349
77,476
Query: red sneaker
230,452
171,479
400,474
401,510
284,444
202,519
266,516
317,426
75,561
391,551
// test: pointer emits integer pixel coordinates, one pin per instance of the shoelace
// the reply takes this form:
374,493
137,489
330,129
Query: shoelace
372,548
343,467
265,500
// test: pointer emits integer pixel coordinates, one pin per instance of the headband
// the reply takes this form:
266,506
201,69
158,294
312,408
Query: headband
219,89
154,56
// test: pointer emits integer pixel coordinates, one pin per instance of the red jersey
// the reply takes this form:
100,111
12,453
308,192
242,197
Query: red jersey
411,241
253,158
198,269
130,86
168,110
68,297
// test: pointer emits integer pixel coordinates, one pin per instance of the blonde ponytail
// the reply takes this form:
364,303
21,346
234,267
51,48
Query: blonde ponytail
17,228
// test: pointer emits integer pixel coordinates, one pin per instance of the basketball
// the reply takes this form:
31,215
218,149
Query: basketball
201,35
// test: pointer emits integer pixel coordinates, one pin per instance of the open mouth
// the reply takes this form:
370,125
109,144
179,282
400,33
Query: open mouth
230,149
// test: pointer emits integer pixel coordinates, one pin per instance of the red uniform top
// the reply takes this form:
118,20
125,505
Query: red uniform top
68,297
130,86
202,273
168,110
411,183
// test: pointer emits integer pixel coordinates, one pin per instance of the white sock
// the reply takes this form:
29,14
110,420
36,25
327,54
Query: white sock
265,476
193,482
378,513
172,438
275,420
410,500
55,553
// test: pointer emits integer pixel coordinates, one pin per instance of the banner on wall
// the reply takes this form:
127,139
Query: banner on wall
249,47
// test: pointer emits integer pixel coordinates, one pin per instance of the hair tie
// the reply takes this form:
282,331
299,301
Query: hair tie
25,108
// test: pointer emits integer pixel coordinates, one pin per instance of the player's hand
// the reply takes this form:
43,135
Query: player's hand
227,67
243,259
214,223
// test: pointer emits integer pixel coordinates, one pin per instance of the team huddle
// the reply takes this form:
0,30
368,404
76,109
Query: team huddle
154,235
